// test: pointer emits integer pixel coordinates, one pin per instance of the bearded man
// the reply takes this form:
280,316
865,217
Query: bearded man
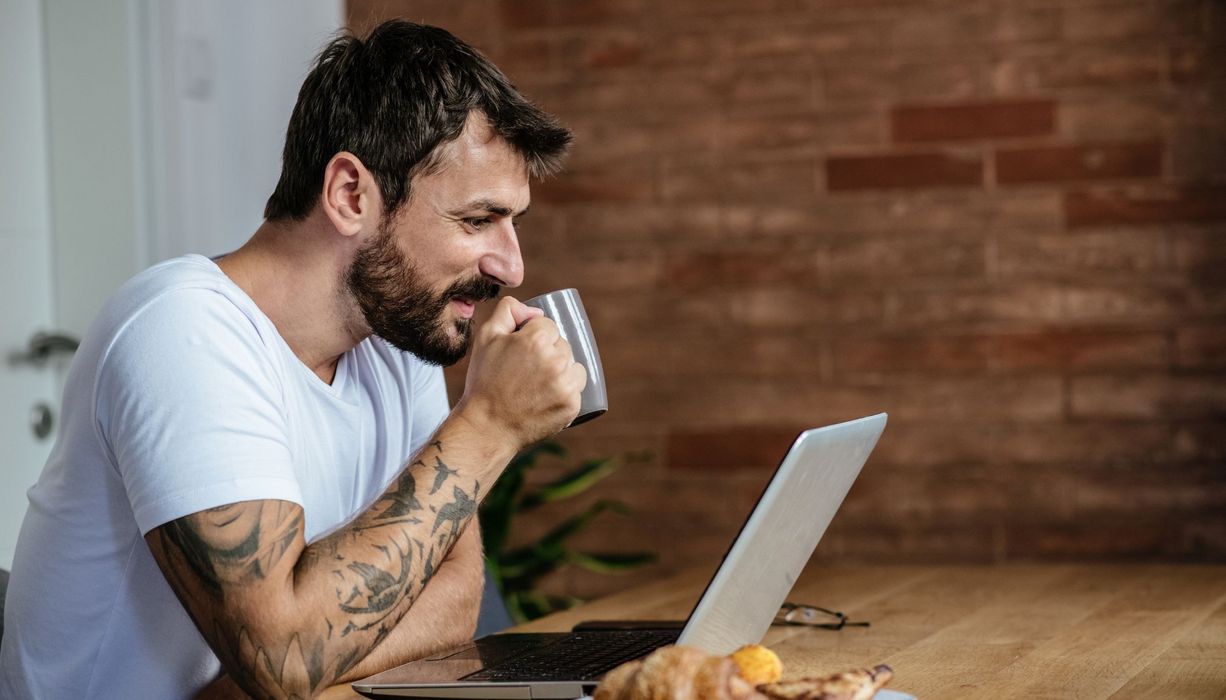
258,483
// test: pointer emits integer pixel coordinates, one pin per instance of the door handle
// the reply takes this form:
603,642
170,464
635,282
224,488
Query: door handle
44,346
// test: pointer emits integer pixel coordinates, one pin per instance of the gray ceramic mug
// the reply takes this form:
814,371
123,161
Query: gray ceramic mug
566,309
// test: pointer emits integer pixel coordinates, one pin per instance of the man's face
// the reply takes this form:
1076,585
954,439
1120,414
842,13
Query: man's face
453,244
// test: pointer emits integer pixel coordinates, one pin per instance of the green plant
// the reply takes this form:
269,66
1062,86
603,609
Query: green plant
517,570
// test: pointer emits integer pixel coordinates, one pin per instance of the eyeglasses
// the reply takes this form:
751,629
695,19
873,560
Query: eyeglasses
813,616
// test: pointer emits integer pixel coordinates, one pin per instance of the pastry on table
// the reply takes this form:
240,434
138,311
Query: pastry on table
687,673
860,684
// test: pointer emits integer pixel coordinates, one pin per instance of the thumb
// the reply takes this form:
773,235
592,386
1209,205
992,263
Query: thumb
510,314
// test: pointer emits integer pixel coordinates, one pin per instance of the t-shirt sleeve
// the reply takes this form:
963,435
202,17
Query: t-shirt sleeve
189,403
430,405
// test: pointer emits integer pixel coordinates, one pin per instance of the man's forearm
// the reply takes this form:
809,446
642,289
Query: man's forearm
287,619
444,614
364,578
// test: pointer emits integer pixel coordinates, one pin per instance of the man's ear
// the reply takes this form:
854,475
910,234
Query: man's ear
351,198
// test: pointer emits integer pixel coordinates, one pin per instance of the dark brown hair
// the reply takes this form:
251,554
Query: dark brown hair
393,99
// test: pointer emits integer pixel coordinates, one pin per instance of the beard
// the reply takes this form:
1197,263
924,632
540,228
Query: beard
400,307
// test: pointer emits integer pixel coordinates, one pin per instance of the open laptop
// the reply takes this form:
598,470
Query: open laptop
737,607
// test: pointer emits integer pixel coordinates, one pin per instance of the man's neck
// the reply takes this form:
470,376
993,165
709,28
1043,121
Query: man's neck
293,277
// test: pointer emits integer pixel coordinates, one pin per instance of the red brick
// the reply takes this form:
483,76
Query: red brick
1105,254
1105,442
1136,535
756,354
605,269
982,120
772,88
729,182
1196,64
1197,154
752,309
702,270
597,12
919,307
525,14
1123,115
601,143
869,261
795,132
1200,439
1201,347
595,186
1081,162
874,77
912,353
1120,20
921,443
730,448
1141,205
1136,303
1200,254
913,170
965,25
1186,487
618,50
706,8
525,57
905,541
1060,67
1149,396
1068,349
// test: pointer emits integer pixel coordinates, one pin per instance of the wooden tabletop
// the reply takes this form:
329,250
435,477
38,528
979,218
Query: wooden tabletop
1041,631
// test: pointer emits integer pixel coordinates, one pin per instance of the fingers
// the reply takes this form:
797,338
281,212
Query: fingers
524,313
509,315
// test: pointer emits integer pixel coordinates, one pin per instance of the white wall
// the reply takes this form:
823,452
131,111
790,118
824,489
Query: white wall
167,119
95,184
25,266
225,76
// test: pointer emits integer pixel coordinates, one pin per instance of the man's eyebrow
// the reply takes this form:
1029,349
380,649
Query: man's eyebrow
488,205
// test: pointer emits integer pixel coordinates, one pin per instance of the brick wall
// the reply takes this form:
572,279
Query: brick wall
1002,222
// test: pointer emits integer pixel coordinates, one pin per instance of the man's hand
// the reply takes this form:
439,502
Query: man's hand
523,380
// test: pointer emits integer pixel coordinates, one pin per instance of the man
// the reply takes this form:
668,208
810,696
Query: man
258,483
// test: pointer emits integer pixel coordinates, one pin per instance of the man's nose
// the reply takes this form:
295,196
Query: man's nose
502,261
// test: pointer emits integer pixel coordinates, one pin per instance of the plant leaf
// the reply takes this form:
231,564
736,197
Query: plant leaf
502,501
575,524
611,562
575,482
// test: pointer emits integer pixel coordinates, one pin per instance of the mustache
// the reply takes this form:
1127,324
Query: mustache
475,289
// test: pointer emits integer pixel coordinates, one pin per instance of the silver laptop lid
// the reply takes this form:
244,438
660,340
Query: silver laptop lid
780,535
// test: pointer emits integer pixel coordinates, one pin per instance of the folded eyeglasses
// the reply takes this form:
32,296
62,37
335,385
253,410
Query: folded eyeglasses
812,616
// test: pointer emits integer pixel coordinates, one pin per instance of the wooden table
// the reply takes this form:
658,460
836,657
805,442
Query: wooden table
1075,631
1041,631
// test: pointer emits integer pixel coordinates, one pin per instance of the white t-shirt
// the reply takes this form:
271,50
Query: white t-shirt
184,397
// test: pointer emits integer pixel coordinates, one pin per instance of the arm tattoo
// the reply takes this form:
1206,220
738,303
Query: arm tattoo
372,570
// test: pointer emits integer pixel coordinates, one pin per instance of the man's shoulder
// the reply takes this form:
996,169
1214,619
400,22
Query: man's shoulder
178,295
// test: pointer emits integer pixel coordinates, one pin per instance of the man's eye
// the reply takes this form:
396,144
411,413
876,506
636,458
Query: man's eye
478,223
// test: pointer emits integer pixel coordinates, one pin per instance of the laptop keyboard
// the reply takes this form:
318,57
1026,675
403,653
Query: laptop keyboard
579,656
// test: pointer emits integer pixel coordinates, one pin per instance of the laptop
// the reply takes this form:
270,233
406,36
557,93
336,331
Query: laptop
737,607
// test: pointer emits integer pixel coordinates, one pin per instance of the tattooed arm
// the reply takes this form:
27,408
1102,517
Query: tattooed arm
287,620
444,616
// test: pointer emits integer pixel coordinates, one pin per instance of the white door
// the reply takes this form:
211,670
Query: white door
27,387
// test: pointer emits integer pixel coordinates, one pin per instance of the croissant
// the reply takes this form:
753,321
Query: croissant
687,673
676,673
859,684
